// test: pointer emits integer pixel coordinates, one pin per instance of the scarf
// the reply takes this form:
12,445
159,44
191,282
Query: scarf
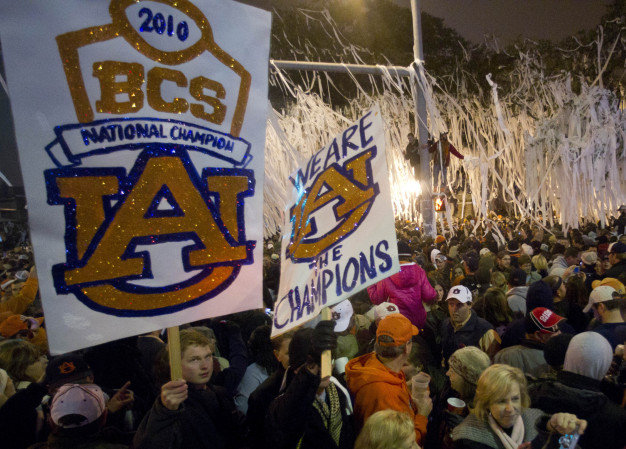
331,416
517,436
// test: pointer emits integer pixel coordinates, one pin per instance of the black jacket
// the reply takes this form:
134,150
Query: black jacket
615,270
469,335
18,418
259,403
207,419
580,395
293,422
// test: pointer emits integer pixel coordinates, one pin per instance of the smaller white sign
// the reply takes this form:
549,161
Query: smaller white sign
339,233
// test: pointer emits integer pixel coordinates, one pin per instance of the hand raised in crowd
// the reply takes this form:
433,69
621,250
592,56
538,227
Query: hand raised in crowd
121,399
324,338
424,405
173,394
565,423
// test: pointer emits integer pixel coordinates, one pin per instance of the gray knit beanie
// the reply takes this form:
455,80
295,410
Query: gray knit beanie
469,363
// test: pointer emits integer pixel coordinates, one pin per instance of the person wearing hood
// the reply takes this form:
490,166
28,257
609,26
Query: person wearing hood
516,296
577,390
406,289
442,268
541,326
377,382
539,294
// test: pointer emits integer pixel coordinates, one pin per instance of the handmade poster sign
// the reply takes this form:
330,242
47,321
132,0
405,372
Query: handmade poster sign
141,129
339,234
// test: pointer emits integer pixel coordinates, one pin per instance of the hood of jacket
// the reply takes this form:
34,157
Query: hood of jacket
553,396
367,369
405,278
522,290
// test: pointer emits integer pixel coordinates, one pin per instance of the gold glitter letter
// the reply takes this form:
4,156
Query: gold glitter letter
219,109
106,71
155,99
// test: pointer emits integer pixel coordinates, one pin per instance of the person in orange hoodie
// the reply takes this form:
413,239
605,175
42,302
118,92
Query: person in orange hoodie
377,382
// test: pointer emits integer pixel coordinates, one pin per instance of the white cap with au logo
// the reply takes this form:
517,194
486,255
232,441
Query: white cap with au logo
342,313
460,293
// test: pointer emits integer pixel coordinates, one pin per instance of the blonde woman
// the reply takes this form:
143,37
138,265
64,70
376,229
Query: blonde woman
498,280
501,418
23,362
541,265
387,429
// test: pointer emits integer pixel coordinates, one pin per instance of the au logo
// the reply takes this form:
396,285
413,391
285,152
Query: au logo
116,216
348,190
67,367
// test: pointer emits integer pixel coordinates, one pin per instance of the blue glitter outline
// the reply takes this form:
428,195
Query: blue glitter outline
154,211
77,159
126,183
341,169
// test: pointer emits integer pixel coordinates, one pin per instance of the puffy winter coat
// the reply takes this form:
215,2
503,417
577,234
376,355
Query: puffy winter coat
406,289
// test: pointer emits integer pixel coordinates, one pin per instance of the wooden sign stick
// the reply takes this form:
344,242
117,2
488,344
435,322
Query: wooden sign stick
173,347
326,367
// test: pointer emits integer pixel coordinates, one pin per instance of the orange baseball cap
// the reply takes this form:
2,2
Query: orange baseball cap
398,327
15,323
611,282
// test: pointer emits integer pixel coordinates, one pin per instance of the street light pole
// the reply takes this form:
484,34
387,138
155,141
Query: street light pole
426,204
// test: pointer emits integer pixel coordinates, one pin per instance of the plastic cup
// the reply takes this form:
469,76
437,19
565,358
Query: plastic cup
456,406
419,385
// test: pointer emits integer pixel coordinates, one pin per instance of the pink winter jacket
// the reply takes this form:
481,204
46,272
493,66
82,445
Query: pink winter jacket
406,289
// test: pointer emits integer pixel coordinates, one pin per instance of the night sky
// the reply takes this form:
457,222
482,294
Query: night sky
507,19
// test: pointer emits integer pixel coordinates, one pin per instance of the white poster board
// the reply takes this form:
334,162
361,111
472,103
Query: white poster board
339,234
141,130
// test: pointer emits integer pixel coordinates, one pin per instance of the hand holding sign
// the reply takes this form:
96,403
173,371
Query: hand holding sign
324,339
173,394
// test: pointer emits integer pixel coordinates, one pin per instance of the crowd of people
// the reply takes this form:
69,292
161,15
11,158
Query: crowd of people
501,335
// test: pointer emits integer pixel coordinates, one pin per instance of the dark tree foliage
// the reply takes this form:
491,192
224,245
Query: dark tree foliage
380,32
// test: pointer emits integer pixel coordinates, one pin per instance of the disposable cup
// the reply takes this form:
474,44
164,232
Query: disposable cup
419,384
456,406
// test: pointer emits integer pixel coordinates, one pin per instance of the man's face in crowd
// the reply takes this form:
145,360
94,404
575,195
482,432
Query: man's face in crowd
598,309
282,354
197,364
458,311
572,260
526,267
506,261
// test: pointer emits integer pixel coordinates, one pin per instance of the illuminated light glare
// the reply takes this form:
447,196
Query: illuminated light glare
413,187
